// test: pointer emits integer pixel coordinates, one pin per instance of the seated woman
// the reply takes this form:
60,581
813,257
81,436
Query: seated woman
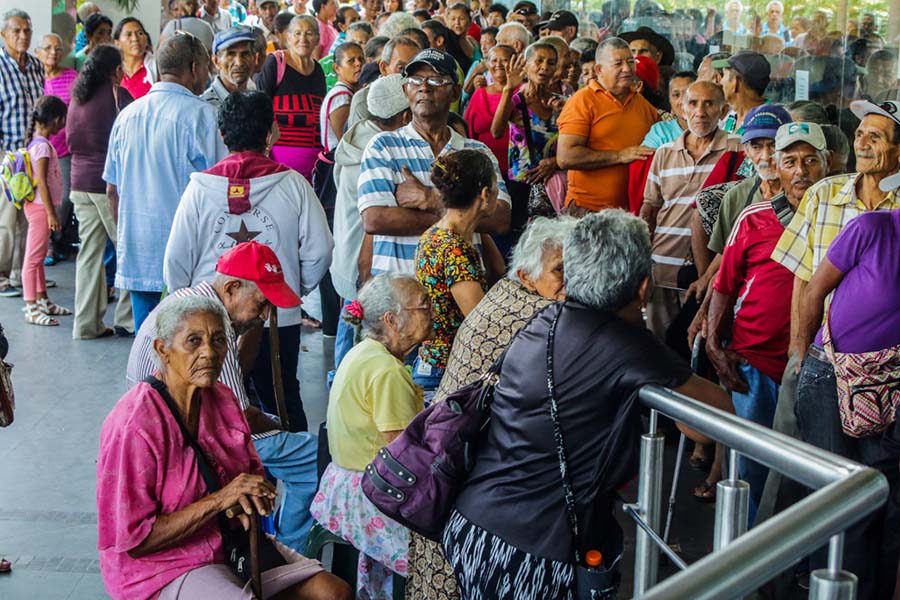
534,280
447,262
372,400
602,355
161,534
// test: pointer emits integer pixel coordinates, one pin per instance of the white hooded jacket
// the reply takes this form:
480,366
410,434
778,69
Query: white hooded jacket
249,197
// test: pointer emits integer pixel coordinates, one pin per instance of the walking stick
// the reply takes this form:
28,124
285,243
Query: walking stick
255,572
277,381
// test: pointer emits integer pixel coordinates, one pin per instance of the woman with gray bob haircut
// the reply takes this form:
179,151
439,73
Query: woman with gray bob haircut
602,355
172,314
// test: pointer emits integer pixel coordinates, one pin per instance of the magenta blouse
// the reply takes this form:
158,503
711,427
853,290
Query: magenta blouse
145,469
61,87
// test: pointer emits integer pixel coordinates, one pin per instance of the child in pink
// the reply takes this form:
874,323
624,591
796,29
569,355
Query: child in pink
49,119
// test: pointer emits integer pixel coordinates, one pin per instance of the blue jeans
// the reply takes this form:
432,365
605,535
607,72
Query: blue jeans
291,457
343,341
427,377
757,405
142,304
872,545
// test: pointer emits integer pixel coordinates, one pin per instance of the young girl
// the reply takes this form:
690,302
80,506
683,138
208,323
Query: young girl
49,119
349,60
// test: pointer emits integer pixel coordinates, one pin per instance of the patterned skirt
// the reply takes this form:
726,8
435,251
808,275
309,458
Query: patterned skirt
383,544
488,568
430,575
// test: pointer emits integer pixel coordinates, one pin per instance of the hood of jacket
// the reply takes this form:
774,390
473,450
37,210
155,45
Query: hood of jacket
243,171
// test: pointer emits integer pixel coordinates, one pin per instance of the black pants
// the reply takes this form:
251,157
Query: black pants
261,376
331,306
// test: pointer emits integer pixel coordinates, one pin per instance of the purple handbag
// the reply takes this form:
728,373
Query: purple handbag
415,479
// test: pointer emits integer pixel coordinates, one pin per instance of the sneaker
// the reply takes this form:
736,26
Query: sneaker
121,332
10,292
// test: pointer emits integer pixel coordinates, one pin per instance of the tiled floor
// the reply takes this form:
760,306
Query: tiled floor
64,389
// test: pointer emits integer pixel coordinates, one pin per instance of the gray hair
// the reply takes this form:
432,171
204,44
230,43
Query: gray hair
381,295
308,19
518,31
85,10
14,13
808,111
398,22
362,26
611,43
541,237
838,143
540,45
584,44
53,35
261,43
607,257
387,53
172,312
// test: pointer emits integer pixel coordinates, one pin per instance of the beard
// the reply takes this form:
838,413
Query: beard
766,171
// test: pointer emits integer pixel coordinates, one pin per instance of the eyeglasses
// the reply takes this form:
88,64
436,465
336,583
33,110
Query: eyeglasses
428,308
432,81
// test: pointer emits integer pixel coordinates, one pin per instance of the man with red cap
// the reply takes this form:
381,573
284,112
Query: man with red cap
249,280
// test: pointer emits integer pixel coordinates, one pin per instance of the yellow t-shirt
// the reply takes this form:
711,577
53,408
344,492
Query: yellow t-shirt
372,392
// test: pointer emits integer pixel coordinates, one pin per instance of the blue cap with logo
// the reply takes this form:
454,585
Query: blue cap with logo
764,121
230,37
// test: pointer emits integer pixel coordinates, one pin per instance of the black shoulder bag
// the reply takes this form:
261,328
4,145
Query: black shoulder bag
235,541
590,583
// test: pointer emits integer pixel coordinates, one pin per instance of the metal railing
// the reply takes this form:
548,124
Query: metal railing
741,561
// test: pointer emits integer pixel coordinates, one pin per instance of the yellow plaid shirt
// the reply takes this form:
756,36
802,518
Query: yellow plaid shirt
825,209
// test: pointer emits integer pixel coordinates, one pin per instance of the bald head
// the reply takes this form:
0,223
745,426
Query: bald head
706,88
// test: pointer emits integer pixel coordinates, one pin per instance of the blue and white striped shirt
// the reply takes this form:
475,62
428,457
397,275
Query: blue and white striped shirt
18,93
381,171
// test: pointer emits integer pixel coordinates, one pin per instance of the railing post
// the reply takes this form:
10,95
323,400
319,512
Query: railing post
646,561
833,583
732,506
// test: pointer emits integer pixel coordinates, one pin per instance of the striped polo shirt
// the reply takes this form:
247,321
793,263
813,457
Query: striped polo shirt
381,171
672,184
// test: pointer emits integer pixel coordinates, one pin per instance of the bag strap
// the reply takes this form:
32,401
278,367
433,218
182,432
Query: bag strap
732,163
568,492
328,113
281,67
206,470
526,125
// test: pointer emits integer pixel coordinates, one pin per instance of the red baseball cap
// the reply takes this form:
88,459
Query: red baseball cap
258,263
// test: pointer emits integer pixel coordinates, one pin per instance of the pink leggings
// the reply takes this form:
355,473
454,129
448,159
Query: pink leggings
33,281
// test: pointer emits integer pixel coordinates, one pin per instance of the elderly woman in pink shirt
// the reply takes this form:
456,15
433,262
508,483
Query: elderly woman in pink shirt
162,530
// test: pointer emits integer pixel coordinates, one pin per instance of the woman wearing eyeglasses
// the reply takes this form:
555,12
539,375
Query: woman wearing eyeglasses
296,84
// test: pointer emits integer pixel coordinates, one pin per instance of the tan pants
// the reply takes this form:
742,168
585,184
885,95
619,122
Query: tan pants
95,224
664,305
13,231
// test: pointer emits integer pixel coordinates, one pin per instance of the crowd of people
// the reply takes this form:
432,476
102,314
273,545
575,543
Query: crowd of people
462,184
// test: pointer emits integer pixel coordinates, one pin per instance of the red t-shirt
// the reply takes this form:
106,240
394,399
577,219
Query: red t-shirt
762,320
474,32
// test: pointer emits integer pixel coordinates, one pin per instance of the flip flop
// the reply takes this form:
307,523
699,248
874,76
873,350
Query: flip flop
707,492
308,321
698,463
107,333
5,566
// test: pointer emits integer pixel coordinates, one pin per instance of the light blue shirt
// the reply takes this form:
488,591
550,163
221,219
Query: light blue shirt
662,132
381,171
155,145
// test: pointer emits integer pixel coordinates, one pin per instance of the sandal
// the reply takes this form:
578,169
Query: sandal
48,308
5,566
107,333
34,316
308,321
705,492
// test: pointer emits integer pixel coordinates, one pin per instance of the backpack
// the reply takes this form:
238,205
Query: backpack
17,177
415,479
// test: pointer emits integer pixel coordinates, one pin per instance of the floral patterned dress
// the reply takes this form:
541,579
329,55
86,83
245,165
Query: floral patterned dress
443,259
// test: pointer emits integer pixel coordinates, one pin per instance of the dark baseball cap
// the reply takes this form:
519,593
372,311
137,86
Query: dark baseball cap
437,60
525,8
764,122
562,19
751,66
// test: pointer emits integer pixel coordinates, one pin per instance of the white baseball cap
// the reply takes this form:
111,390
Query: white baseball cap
386,96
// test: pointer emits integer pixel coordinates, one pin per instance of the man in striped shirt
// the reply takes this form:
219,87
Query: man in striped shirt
677,173
21,84
249,280
396,200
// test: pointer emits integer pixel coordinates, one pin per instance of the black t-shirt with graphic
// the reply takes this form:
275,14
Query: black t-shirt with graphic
296,100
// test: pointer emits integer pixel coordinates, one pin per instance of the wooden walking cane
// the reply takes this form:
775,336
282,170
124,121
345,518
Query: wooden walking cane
281,407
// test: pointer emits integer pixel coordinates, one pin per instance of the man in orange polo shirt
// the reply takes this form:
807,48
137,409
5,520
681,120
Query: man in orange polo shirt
600,131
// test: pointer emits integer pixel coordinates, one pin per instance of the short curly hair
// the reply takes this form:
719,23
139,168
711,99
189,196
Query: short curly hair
245,119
